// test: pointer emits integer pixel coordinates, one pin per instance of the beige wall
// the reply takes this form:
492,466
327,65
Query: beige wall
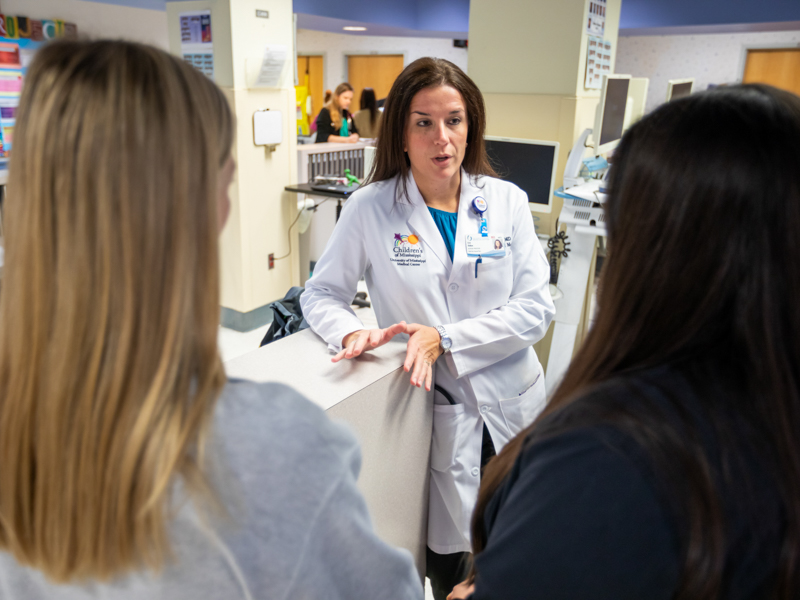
711,58
260,210
336,46
529,60
98,19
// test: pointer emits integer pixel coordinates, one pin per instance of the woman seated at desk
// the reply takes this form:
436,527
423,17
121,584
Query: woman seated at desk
368,119
335,123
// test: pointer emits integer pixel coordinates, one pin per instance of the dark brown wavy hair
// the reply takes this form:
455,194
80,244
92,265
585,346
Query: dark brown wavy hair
704,269
390,158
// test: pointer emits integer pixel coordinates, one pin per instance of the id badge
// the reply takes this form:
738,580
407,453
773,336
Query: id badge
491,245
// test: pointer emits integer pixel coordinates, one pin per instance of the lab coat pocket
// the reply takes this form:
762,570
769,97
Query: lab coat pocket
520,411
446,421
492,287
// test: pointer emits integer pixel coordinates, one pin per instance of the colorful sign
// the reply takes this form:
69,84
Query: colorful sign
197,47
20,37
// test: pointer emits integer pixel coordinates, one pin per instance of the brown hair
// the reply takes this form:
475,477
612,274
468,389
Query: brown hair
717,169
333,104
109,370
390,158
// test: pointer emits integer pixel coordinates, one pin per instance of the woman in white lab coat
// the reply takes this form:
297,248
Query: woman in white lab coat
424,235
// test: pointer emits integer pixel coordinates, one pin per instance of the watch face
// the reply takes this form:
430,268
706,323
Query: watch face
446,343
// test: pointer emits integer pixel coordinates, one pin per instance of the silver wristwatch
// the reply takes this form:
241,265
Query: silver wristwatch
445,343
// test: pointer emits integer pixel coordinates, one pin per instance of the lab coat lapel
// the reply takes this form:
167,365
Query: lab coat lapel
421,223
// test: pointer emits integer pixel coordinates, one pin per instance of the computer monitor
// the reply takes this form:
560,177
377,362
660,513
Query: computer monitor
529,164
678,88
610,119
637,100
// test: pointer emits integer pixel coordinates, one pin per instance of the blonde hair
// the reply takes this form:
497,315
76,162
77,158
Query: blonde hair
333,104
109,370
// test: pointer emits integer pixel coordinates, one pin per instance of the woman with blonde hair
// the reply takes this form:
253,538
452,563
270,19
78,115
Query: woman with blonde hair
334,122
129,466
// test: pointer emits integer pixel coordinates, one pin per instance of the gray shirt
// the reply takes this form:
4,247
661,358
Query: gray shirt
296,526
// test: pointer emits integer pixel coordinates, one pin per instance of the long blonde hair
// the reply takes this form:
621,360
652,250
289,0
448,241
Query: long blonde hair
109,369
333,104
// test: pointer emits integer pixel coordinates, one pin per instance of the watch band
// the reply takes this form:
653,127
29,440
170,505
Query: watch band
444,340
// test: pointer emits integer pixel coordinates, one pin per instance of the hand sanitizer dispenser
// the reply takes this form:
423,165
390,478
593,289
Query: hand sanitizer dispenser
267,128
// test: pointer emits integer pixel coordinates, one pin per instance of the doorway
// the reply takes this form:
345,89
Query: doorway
314,67
779,67
377,71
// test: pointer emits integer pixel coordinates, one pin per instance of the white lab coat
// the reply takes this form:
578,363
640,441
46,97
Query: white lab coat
492,370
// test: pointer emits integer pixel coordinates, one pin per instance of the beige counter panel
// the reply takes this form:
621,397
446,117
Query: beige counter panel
392,420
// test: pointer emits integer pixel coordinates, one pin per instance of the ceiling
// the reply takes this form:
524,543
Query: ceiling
450,18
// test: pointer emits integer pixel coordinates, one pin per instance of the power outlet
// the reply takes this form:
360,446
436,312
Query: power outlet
271,261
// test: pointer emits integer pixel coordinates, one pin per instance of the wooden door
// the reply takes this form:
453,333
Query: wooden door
314,67
780,68
377,71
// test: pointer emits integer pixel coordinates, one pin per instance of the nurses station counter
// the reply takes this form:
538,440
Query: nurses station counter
392,420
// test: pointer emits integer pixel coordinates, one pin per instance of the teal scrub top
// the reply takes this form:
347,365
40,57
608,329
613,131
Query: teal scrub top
446,224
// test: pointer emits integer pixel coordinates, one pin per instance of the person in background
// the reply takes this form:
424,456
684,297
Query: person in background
368,119
667,463
472,313
313,127
334,122
129,467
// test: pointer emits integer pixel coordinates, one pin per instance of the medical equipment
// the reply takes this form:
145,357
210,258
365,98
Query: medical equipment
529,164
637,101
678,88
610,117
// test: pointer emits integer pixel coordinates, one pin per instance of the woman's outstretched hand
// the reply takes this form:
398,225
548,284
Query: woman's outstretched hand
359,341
422,351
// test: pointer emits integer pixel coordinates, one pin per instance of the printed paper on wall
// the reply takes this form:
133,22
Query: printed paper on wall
597,18
197,45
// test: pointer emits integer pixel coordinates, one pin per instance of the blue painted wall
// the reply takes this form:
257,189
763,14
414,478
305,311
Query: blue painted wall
430,15
673,13
453,15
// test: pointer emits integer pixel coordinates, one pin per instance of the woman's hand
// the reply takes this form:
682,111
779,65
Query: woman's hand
354,137
422,351
357,342
461,591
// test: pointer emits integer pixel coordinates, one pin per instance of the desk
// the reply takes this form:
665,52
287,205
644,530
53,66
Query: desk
305,188
392,420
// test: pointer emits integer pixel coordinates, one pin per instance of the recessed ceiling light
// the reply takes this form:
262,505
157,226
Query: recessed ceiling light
354,28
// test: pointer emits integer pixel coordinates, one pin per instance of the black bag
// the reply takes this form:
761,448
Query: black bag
287,317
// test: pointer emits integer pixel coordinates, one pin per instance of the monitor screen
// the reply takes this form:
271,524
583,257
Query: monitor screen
679,90
614,110
529,165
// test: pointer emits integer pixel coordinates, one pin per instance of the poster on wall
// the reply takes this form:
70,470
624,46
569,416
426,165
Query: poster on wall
197,46
597,18
20,37
598,62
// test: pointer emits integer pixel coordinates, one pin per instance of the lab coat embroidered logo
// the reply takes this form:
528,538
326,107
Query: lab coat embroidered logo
407,251
400,239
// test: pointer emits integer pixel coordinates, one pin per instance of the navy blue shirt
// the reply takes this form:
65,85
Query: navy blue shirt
446,223
587,514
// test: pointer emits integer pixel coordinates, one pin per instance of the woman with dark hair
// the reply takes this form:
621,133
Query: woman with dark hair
326,98
368,119
334,122
423,235
667,464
